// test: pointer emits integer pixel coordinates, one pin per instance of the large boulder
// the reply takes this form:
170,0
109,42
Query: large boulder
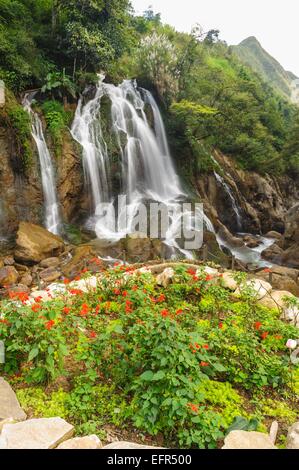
248,440
8,276
35,243
44,433
9,405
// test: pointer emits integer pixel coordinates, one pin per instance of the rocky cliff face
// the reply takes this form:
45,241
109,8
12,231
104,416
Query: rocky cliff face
21,194
262,201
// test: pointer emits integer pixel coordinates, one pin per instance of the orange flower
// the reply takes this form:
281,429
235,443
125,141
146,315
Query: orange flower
257,325
66,310
49,325
179,311
36,307
193,407
204,364
264,335
206,346
165,313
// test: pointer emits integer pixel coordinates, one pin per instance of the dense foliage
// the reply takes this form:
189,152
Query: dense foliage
186,362
59,45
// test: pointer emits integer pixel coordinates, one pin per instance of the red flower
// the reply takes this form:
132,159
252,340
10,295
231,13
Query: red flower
165,313
204,364
134,288
92,334
125,293
220,325
66,310
197,346
209,277
49,324
84,310
66,281
191,271
206,346
264,335
36,307
116,291
179,311
3,320
278,337
98,307
161,298
38,299
193,407
78,292
85,270
257,325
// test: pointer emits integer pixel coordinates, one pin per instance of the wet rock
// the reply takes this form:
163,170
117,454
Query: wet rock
35,243
9,405
44,433
26,279
293,437
248,440
49,275
80,257
272,253
50,262
274,234
9,260
86,442
8,276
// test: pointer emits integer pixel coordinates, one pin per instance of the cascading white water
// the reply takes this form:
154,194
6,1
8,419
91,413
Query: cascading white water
234,204
147,170
52,217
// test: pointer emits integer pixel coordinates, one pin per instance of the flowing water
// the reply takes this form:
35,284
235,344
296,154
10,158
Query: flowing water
52,217
148,174
230,194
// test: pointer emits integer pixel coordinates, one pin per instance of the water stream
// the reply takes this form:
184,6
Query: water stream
52,217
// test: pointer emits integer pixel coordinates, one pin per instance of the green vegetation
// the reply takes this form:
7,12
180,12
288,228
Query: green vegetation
60,46
186,362
17,121
56,119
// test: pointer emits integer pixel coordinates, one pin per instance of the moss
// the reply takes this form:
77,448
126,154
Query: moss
37,404
14,117
222,398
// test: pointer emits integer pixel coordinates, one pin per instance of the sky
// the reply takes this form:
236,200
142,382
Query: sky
273,22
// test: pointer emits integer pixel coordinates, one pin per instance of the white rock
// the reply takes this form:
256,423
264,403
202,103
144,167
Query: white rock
85,285
41,293
228,282
6,421
210,271
293,437
44,433
128,445
248,440
86,442
259,287
9,405
164,278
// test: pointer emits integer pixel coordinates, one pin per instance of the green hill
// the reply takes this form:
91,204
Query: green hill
251,53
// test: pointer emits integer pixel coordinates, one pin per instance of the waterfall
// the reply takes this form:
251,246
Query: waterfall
148,174
52,217
234,204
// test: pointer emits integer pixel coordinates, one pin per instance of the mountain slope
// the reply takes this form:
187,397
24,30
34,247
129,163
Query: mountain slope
251,53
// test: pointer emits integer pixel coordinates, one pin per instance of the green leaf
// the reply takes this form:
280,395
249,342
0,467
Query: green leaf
159,375
147,376
33,353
